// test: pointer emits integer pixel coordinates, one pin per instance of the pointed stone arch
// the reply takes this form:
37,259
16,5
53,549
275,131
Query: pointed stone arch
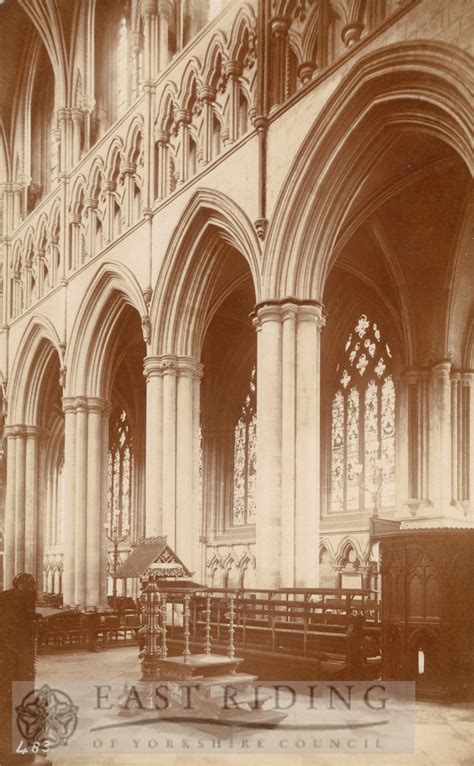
38,345
384,90
210,222
112,288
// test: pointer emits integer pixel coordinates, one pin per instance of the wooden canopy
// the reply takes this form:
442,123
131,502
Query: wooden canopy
152,553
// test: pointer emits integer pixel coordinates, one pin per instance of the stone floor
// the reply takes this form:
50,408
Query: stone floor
444,733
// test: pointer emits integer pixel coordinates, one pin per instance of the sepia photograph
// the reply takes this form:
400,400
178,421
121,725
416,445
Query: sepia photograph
236,382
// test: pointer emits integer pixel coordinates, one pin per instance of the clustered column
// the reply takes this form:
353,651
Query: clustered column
288,442
85,460
172,453
23,506
436,441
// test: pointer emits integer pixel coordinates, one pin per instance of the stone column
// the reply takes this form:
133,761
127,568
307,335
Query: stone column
77,120
165,12
310,321
20,487
279,27
467,443
150,39
80,540
288,443
154,447
440,438
85,476
9,558
207,95
162,181
233,71
183,119
269,444
31,501
95,518
168,490
187,466
69,498
172,451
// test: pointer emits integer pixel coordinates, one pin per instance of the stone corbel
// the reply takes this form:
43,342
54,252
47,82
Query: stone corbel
350,11
146,329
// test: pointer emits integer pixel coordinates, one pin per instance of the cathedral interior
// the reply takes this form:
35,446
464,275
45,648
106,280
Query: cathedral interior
236,285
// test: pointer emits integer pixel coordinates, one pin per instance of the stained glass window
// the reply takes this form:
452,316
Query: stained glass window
120,472
245,460
363,423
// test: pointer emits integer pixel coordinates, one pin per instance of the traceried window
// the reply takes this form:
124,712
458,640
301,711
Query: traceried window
363,423
245,460
120,473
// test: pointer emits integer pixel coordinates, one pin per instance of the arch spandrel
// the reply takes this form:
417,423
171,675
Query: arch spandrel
384,91
210,223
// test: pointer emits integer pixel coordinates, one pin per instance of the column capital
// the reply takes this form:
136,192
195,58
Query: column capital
149,8
74,404
36,432
14,431
288,308
171,364
467,377
279,26
442,368
96,404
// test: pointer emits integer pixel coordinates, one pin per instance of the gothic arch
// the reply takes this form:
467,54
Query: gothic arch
209,222
113,287
383,90
39,342
116,148
217,47
346,543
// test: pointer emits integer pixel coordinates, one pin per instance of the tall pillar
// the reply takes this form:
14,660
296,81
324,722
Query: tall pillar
80,540
23,508
168,490
310,321
154,446
150,39
269,444
85,496
9,558
165,12
187,465
288,443
95,520
31,500
172,452
440,438
69,498
20,454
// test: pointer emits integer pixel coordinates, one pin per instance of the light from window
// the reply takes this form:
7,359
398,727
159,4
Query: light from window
363,422
245,460
120,472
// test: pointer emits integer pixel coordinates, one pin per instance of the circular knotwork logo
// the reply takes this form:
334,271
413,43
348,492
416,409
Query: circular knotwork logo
47,716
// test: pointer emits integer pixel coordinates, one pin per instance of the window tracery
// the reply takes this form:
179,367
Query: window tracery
245,459
120,472
363,422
